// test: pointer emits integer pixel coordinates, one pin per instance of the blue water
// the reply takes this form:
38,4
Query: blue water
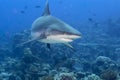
74,12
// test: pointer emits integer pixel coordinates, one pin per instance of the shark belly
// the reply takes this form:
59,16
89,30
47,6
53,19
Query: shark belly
59,39
56,39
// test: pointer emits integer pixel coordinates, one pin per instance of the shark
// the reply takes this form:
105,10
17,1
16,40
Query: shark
50,30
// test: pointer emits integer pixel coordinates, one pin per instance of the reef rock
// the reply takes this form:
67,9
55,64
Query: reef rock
103,63
92,77
65,76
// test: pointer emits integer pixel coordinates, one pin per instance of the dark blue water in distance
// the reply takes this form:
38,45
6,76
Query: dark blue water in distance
95,56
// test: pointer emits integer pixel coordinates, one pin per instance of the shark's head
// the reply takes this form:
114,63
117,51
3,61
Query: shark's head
56,35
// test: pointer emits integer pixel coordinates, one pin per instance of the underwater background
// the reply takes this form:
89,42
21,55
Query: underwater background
97,55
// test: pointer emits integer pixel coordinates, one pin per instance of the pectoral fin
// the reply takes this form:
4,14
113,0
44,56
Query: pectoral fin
19,45
68,45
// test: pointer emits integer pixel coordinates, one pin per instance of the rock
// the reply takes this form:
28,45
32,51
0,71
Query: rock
103,60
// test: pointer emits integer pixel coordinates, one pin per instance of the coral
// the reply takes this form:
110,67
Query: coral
109,75
28,57
92,77
33,69
63,69
46,67
53,72
80,75
4,76
47,78
27,51
103,59
65,76
103,63
117,51
4,52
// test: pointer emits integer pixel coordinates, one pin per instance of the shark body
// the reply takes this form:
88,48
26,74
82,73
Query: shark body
49,29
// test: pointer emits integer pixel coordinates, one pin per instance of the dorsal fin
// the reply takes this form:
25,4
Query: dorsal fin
46,10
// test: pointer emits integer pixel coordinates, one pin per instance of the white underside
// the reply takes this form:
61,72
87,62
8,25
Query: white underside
59,39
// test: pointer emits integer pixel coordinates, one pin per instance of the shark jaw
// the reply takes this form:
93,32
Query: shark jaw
59,38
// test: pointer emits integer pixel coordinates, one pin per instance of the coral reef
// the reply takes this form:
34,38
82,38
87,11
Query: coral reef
34,61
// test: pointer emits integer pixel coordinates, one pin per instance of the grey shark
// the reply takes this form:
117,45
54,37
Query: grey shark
49,29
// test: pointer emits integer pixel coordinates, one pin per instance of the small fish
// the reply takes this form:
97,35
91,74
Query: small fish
90,19
37,6
22,11
26,7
